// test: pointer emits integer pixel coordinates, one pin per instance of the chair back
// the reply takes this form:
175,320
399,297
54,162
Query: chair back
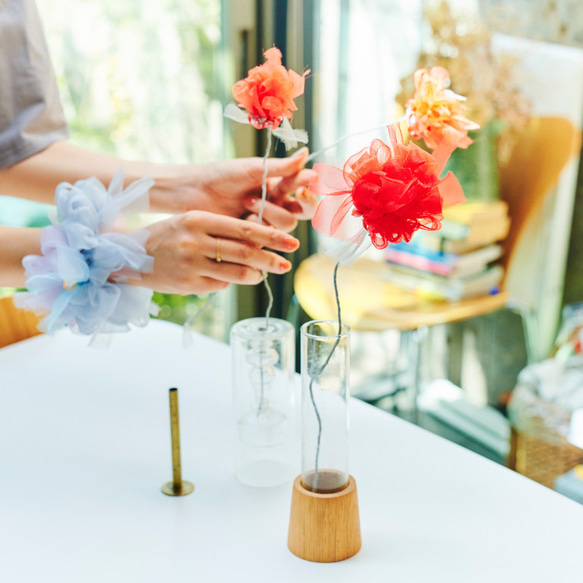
539,180
16,324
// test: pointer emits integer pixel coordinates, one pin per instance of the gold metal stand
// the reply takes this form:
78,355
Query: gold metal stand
324,528
177,487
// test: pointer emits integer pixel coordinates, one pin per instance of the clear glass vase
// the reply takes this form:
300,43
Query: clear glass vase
325,366
263,377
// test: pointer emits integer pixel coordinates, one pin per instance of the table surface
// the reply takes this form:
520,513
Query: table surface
85,448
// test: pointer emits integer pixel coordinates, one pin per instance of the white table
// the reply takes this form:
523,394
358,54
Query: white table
85,448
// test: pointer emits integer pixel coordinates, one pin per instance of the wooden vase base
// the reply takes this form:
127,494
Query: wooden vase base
324,528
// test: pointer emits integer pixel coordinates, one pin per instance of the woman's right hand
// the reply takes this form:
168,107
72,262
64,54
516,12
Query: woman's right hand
186,250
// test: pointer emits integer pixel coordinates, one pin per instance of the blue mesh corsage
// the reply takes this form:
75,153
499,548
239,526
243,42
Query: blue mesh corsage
70,283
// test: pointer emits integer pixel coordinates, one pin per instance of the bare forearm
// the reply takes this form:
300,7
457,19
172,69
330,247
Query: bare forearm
228,187
37,177
14,245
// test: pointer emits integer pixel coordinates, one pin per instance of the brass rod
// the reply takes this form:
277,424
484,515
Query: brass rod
178,486
175,432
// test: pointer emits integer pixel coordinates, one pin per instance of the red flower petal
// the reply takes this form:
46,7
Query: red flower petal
394,188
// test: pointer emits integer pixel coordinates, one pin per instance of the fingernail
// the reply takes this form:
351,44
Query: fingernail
291,243
301,152
251,201
284,265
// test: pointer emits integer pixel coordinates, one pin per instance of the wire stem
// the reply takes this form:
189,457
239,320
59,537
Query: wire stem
265,280
352,135
314,377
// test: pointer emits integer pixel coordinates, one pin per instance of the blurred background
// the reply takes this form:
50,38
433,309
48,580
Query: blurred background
150,79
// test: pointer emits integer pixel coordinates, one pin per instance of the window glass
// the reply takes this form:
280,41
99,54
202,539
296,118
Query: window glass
139,80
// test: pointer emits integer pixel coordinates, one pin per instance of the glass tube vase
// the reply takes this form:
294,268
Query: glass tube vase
263,377
325,367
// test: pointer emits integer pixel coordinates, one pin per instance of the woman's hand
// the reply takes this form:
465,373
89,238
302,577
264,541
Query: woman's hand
229,187
202,252
233,188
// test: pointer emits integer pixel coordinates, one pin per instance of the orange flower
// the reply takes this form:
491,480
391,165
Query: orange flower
268,92
436,113
395,189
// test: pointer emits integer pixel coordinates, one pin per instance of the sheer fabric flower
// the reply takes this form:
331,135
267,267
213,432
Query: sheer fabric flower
435,113
268,91
69,284
394,190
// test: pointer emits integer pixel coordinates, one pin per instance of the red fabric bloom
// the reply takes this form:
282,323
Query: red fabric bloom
268,92
395,189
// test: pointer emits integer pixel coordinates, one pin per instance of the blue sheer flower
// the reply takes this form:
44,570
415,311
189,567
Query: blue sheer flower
70,283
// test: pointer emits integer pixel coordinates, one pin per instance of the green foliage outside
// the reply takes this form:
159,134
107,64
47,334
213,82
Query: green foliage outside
138,80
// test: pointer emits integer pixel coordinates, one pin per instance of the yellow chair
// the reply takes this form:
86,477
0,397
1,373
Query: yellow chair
370,302
15,324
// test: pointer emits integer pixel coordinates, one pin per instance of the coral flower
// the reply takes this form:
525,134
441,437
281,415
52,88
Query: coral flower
435,113
394,189
268,92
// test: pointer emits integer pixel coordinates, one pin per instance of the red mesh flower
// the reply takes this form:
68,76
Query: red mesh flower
394,188
435,113
268,92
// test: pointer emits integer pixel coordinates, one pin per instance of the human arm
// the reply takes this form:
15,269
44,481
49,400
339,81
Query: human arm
15,243
184,250
229,187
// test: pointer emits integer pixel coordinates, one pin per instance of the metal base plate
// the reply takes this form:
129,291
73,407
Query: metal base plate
186,488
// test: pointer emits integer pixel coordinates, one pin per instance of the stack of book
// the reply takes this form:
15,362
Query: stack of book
457,261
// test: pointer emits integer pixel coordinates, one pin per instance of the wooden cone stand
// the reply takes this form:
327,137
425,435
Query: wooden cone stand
324,528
